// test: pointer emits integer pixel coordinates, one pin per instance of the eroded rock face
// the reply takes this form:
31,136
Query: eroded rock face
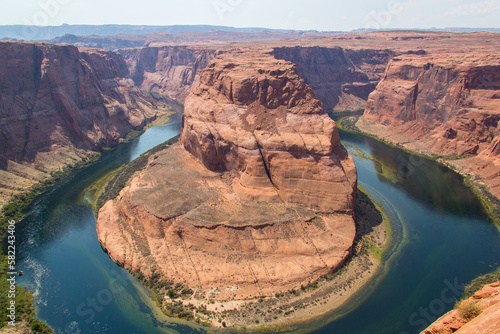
255,115
257,199
451,100
443,105
341,78
57,103
170,70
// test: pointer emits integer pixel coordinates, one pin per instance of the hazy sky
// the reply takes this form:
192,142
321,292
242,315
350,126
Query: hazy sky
285,14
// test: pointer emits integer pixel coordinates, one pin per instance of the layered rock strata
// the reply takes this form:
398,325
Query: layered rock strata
57,104
341,78
170,70
446,105
254,114
257,199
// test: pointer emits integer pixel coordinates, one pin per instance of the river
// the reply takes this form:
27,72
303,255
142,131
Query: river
443,240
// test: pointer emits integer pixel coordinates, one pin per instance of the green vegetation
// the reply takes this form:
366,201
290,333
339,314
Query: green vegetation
258,313
159,287
272,329
336,115
162,117
107,188
378,251
479,282
468,309
96,188
129,136
491,204
348,124
18,206
360,154
25,311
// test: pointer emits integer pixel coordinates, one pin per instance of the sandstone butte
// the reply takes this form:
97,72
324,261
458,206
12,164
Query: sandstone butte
457,77
256,199
444,105
58,105
487,301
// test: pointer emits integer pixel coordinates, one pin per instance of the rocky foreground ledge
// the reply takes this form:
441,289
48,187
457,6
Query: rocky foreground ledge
478,314
258,199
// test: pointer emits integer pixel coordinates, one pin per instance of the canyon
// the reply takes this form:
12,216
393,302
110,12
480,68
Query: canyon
445,106
399,69
257,198
341,78
168,70
445,101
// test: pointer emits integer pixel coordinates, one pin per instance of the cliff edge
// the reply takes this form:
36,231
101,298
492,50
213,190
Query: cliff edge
58,105
445,105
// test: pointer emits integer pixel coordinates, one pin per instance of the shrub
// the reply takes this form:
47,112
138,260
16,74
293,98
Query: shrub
39,327
468,309
478,283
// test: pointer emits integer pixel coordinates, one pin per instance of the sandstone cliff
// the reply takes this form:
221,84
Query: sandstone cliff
442,105
57,104
341,78
170,70
260,200
463,320
254,114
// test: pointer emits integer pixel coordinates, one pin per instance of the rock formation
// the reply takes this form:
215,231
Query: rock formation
442,105
170,70
57,104
341,78
267,125
260,200
486,301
